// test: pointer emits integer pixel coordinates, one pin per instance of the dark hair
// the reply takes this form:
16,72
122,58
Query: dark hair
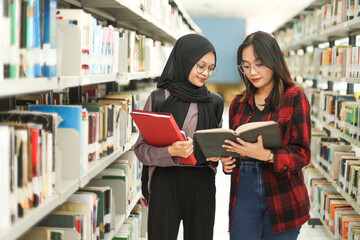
267,50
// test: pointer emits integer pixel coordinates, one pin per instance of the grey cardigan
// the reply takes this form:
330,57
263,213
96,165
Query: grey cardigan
159,156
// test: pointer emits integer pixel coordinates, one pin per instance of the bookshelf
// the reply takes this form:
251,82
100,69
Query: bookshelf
69,188
25,86
317,216
304,39
120,14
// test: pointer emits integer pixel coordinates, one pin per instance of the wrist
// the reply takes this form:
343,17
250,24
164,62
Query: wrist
270,156
170,151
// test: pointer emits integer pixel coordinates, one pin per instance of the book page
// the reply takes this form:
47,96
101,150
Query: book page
152,114
216,130
253,125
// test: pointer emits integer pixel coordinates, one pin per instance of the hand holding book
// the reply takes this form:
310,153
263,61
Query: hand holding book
181,148
161,130
254,150
211,141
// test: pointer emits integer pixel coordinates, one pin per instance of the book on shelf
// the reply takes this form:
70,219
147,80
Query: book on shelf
70,115
340,213
83,219
49,38
342,169
104,207
91,200
32,167
353,230
345,224
211,140
353,187
325,199
336,157
160,130
332,204
44,233
5,156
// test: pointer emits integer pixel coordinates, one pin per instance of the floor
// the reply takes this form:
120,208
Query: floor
307,232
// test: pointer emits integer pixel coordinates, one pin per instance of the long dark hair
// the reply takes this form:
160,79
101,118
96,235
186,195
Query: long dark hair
267,50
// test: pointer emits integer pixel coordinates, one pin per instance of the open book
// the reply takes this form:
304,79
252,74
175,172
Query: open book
160,130
211,140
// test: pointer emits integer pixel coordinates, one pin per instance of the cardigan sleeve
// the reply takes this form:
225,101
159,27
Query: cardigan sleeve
151,155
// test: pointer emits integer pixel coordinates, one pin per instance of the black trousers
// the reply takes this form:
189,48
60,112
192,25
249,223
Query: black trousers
182,193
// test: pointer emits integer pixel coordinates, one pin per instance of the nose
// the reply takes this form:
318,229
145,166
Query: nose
252,70
207,72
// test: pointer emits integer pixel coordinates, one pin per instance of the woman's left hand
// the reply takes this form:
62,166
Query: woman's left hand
213,159
253,150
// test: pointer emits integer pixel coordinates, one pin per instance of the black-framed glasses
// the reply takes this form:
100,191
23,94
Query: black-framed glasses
245,68
200,68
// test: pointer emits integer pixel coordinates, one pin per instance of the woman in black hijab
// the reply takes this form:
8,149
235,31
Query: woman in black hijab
183,192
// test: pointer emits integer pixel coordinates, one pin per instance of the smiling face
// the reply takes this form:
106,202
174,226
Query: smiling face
207,62
263,77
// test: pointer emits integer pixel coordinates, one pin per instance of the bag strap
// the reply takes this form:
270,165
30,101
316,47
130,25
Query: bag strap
157,99
218,105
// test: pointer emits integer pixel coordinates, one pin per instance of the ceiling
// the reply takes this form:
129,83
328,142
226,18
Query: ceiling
265,15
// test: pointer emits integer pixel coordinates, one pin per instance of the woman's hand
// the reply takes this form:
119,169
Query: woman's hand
228,164
253,150
181,148
213,159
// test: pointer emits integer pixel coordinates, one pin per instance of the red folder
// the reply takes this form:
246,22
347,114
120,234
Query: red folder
160,130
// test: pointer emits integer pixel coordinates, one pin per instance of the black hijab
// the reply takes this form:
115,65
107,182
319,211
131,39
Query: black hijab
188,50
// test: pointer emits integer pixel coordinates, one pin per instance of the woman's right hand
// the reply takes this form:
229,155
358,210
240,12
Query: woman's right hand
181,148
228,164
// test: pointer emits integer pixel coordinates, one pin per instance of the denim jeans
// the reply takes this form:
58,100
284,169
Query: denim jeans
251,219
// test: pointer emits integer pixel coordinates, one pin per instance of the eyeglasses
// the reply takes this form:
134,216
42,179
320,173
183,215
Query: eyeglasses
202,68
246,68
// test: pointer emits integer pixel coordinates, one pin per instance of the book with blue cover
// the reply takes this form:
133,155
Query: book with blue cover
49,39
70,114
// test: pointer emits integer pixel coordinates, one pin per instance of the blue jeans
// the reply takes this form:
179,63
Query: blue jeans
251,219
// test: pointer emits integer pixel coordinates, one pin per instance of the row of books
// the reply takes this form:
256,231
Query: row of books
338,61
21,195
28,174
103,127
28,43
320,19
126,169
338,110
91,212
339,160
86,47
30,140
131,229
332,208
70,42
162,11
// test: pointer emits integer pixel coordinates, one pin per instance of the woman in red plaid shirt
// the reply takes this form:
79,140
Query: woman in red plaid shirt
268,197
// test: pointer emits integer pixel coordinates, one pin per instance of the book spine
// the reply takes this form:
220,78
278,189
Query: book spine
29,55
49,44
13,33
37,40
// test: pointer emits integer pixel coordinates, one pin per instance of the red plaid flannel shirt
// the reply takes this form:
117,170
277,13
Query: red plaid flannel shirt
285,190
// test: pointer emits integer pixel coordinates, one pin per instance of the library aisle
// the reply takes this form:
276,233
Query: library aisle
222,201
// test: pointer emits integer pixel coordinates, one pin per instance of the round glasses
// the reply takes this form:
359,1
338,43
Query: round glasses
202,68
246,68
